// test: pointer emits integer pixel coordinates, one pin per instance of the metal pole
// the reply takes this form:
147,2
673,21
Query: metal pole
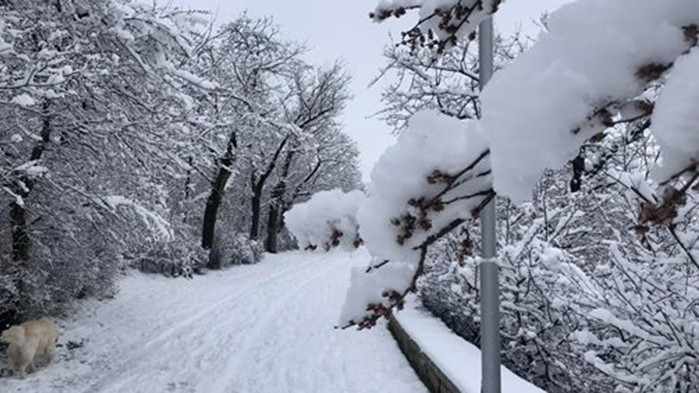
490,287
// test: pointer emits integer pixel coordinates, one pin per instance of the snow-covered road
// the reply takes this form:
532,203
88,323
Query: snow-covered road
264,328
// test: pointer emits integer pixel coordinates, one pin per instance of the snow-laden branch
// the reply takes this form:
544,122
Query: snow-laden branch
436,177
438,172
676,119
153,221
596,67
327,220
441,24
579,76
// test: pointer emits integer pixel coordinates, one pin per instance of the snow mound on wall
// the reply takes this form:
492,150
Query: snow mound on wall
328,219
588,59
458,359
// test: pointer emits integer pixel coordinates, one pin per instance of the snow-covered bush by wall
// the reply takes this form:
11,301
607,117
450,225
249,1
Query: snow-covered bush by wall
576,287
327,220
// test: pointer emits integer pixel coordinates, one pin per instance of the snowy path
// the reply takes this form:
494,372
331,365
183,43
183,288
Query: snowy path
265,328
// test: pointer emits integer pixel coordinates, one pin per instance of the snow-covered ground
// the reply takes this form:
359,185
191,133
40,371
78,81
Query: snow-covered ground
264,328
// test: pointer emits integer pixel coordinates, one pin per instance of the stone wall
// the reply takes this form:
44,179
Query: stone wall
424,367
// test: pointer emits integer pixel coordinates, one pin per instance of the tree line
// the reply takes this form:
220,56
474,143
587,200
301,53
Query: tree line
144,136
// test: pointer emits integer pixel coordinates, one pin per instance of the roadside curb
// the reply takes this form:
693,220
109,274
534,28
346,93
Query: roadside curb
433,378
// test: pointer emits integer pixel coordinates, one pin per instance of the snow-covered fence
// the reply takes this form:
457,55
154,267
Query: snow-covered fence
327,220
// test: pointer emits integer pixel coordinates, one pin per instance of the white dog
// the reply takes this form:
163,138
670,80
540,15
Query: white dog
28,340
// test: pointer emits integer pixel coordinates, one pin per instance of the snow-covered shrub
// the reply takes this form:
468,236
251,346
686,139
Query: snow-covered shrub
327,220
172,259
579,285
234,249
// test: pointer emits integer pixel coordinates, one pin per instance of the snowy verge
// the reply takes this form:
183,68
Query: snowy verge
459,360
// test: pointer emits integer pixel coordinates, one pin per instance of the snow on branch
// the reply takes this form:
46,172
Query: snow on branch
328,220
441,24
436,177
676,119
154,221
438,172
581,76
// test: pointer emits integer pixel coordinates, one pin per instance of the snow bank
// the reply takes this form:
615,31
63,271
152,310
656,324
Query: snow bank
328,219
458,359
535,110
676,118
416,173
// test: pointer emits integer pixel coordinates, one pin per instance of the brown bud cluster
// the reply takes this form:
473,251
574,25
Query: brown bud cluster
691,34
379,310
651,72
439,177
465,246
408,223
385,13
666,211
357,241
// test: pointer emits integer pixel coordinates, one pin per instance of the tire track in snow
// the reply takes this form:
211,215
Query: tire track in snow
117,376
264,326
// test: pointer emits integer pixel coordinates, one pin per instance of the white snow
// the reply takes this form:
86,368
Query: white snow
428,8
457,358
676,118
262,328
432,142
587,60
635,181
314,222
154,221
23,99
369,288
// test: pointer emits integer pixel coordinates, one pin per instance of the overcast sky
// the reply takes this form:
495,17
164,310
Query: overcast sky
337,29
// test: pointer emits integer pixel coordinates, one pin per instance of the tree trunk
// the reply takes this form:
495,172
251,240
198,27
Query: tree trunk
21,243
273,227
216,196
276,205
258,186
256,203
20,236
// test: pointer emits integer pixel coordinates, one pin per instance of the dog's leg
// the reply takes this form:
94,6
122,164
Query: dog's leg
50,353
